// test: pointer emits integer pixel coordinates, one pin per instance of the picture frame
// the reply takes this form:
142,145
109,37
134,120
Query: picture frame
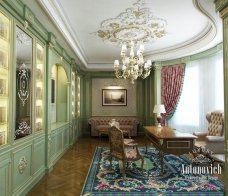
114,97
52,91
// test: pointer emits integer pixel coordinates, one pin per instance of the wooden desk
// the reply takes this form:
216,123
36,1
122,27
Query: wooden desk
170,141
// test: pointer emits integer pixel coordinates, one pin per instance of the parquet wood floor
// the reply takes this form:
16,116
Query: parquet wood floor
69,173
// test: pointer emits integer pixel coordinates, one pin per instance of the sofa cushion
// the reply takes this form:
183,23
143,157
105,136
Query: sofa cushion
102,127
126,127
102,123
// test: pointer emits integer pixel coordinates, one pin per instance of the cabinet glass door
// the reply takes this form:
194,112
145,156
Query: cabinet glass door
39,88
78,95
73,94
23,113
4,77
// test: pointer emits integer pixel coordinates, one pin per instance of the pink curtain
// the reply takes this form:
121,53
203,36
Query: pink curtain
172,78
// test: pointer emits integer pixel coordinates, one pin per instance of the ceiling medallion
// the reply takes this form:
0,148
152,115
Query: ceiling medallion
137,24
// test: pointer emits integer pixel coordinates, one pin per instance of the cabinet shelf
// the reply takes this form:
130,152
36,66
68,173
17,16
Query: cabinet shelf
4,77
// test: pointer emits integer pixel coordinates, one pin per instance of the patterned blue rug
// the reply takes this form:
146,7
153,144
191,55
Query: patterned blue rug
105,180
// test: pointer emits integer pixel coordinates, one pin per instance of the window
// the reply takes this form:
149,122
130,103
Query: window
203,91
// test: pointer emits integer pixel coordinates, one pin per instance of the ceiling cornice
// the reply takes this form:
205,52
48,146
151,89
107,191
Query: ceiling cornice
54,11
197,42
53,8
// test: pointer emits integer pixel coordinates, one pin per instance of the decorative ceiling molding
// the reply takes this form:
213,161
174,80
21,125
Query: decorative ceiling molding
136,24
196,43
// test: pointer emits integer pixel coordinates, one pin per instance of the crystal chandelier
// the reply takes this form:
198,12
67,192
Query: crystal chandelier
133,66
136,25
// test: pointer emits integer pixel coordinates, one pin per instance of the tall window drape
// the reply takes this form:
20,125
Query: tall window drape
171,84
203,91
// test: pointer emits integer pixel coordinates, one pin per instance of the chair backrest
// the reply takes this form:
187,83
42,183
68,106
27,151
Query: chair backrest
216,123
116,142
114,123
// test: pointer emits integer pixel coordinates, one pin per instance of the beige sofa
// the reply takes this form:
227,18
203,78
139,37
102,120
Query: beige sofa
101,123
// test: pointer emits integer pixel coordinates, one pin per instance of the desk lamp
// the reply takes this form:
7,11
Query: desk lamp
159,109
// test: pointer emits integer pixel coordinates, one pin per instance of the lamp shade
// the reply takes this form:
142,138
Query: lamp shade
159,108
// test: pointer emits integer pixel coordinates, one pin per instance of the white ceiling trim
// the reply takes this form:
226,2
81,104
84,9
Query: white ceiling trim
54,11
197,42
53,8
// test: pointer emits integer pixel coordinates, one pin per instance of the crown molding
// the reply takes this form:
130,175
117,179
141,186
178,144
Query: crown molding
196,44
59,19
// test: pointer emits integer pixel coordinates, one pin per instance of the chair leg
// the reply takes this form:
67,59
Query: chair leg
142,162
110,160
124,170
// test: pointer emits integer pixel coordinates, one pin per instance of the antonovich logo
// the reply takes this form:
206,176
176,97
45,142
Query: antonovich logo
201,163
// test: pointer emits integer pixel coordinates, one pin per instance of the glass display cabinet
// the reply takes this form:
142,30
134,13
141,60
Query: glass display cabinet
78,95
4,77
73,94
39,88
23,123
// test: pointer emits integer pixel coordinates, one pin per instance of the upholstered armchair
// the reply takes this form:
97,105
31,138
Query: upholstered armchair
120,150
213,139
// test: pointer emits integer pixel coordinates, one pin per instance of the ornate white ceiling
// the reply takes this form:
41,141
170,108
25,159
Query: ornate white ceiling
192,26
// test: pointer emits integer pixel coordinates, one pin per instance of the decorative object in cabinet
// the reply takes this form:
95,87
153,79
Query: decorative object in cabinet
2,86
3,115
39,74
2,137
4,76
4,27
3,59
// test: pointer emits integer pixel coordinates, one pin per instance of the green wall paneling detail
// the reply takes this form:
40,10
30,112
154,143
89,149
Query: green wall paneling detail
53,142
5,175
28,15
222,7
59,141
39,155
66,135
221,4
59,146
21,168
14,7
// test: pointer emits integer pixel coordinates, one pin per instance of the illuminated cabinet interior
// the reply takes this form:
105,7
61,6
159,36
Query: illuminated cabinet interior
78,102
4,77
39,88
73,94
75,84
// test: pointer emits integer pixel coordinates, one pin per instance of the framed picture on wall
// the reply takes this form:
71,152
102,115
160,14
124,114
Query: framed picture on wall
114,97
52,91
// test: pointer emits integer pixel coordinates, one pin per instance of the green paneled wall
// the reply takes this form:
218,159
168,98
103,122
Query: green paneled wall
26,160
21,168
5,174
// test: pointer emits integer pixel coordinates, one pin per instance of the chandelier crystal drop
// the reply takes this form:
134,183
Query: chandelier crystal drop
134,65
